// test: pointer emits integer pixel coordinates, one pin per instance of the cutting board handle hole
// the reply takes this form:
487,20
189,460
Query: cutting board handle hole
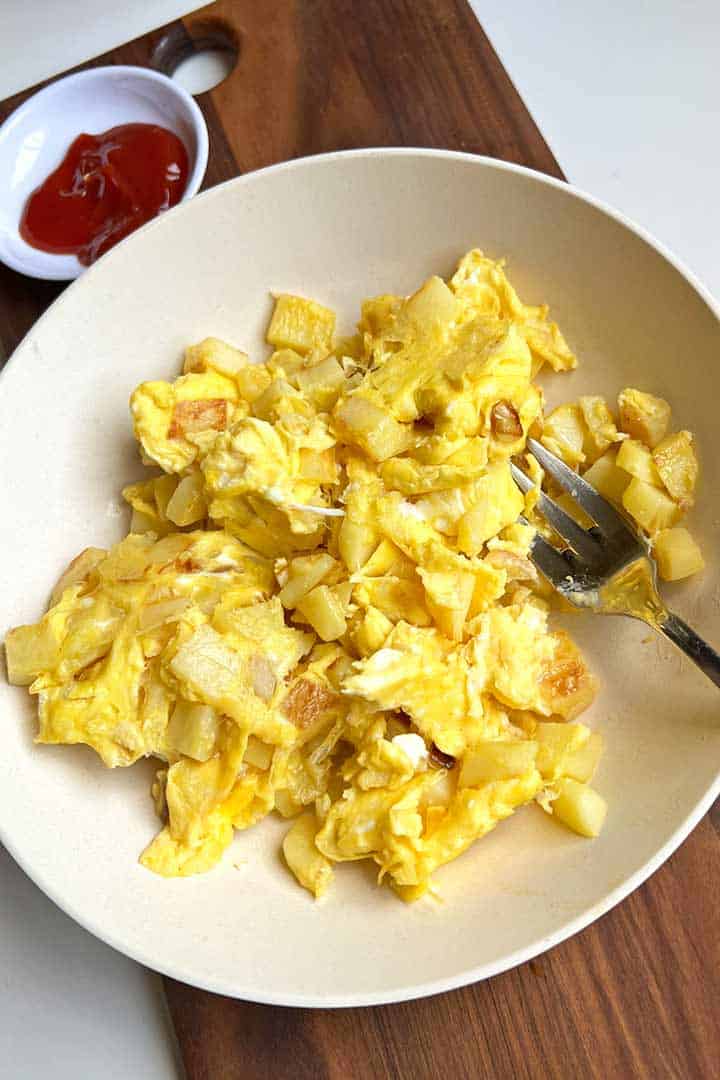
200,56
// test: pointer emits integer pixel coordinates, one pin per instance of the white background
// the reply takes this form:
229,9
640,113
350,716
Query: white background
626,93
40,38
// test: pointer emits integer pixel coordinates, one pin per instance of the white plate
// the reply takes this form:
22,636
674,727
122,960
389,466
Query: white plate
339,228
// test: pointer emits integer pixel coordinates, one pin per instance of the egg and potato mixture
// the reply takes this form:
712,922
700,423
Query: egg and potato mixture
325,608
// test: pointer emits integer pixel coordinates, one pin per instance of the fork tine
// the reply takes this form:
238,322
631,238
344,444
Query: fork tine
522,480
553,565
582,543
603,513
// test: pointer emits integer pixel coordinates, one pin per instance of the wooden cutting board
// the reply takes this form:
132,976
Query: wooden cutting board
638,993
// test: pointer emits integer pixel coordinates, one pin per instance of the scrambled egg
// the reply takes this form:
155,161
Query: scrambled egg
325,606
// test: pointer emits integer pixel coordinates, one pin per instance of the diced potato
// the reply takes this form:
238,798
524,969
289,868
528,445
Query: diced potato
141,497
164,551
163,490
78,570
643,416
565,432
322,609
318,465
304,573
209,669
252,381
193,730
677,554
556,744
443,790
30,650
377,313
341,669
128,560
263,677
266,405
141,523
207,664
388,559
397,598
286,805
649,506
448,597
371,428
444,509
607,478
212,353
187,503
343,594
259,754
371,632
471,454
433,305
579,807
581,764
286,362
601,431
310,867
500,760
300,324
162,611
497,502
636,460
149,501
490,582
356,543
677,465
322,382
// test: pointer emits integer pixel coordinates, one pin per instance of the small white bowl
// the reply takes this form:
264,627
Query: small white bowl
35,138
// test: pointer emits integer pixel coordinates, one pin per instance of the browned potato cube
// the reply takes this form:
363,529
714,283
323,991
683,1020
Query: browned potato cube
643,416
301,324
637,460
212,353
677,554
372,428
601,430
677,465
649,506
606,477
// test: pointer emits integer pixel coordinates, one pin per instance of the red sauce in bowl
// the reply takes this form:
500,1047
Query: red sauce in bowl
105,187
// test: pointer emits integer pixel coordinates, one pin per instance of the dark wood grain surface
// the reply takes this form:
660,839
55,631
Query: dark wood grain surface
633,996
638,993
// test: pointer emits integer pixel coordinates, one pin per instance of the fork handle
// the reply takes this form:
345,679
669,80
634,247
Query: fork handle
693,646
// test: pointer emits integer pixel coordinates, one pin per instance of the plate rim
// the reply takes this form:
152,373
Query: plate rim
589,915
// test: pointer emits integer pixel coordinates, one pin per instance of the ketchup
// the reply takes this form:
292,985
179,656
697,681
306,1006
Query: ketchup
105,187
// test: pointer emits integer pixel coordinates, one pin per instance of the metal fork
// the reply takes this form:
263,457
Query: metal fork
607,568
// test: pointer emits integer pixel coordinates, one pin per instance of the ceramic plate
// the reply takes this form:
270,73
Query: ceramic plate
340,228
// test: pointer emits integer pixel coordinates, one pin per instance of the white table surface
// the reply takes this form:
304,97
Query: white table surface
627,95
628,104
42,38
